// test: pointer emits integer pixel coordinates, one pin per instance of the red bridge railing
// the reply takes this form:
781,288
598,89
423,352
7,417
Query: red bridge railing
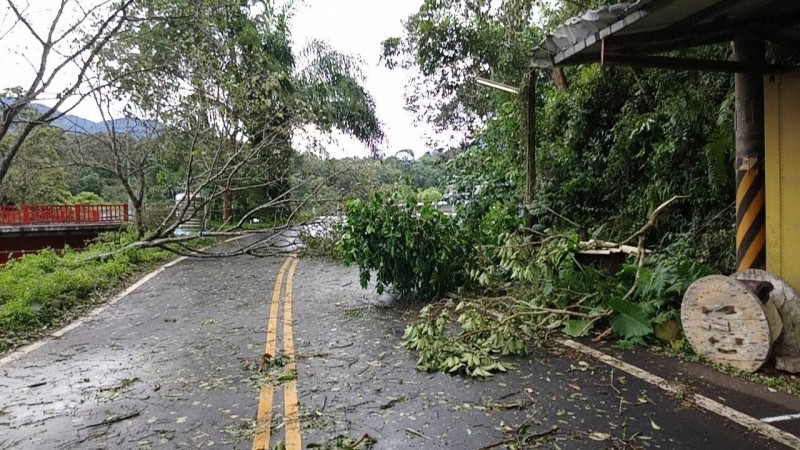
54,214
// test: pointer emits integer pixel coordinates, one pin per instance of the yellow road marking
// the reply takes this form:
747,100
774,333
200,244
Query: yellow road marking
291,402
264,415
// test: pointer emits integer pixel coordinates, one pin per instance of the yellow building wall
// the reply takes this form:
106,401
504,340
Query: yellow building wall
782,165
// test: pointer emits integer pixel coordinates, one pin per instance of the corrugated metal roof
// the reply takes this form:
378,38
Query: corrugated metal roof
576,32
657,26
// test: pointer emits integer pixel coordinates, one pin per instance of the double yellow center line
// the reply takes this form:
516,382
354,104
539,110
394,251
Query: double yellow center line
293,441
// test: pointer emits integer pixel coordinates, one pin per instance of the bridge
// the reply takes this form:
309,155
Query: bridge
31,228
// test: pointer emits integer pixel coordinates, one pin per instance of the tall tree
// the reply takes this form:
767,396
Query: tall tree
227,69
38,174
126,150
63,46
610,148
449,43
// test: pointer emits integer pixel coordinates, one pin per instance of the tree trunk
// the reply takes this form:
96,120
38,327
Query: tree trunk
559,78
227,205
138,219
530,142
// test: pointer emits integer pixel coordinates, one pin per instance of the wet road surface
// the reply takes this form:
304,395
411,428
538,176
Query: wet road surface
179,363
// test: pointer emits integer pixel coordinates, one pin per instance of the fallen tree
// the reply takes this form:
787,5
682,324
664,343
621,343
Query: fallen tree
539,287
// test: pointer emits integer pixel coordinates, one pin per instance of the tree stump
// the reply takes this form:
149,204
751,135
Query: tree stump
786,301
726,323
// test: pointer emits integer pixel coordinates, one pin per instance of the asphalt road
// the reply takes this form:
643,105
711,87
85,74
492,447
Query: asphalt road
179,363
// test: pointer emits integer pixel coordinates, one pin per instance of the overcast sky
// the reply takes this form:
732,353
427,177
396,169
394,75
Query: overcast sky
356,27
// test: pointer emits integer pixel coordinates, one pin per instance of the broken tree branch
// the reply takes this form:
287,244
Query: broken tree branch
640,254
652,220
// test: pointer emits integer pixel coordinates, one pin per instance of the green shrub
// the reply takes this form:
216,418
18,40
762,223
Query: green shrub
84,198
115,267
45,261
39,290
430,195
413,249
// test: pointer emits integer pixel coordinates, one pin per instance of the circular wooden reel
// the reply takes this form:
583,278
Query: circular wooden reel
787,303
726,323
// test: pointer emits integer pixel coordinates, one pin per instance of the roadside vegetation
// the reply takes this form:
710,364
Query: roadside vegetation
642,157
41,291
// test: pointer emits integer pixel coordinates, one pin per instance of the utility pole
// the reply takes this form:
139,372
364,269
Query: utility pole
530,147
530,136
750,181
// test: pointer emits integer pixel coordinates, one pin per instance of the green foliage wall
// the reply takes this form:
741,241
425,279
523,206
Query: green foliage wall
620,142
611,147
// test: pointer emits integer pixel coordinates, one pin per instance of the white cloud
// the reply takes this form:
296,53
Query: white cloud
358,27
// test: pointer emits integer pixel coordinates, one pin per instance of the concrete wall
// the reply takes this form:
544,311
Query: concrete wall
16,241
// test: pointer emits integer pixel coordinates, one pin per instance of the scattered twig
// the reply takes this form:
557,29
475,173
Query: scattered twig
350,344
113,419
416,433
509,395
540,434
122,385
393,402
311,355
265,358
611,383
498,444
516,438
508,406
602,336
364,439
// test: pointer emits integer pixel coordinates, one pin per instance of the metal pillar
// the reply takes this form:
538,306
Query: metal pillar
751,248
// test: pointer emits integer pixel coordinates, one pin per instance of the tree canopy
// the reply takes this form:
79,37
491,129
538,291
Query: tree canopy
612,142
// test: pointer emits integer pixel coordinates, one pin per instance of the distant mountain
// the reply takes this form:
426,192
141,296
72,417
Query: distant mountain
78,125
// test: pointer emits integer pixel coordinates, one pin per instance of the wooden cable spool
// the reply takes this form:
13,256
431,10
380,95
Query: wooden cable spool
726,323
783,302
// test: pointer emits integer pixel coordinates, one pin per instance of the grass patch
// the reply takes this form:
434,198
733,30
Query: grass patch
783,382
779,381
42,291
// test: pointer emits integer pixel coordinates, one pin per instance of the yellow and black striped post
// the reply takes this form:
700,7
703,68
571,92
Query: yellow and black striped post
751,232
